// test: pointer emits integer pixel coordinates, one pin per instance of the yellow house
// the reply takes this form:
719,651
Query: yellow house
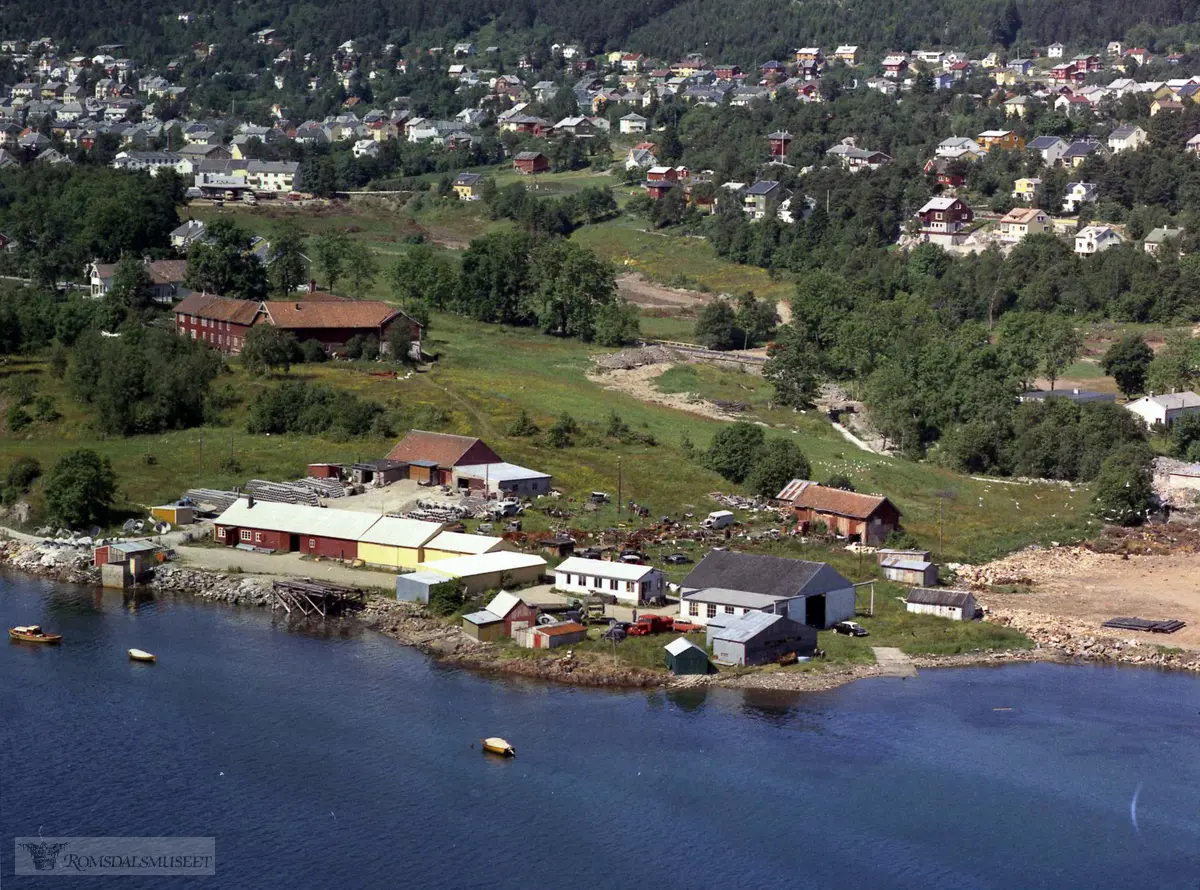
1026,189
451,545
1006,78
1159,105
468,186
1005,139
1022,222
397,543
614,58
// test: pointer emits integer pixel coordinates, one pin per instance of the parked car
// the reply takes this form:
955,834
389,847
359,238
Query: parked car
632,556
652,624
851,629
677,559
687,627
616,634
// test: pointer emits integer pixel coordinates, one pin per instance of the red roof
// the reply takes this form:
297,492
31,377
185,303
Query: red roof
219,308
322,313
441,448
557,630
834,500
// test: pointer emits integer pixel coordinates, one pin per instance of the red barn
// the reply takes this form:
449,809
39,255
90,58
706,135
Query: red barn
219,322
865,518
530,162
432,457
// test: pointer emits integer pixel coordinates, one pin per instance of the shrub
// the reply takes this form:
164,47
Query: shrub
17,418
840,480
523,426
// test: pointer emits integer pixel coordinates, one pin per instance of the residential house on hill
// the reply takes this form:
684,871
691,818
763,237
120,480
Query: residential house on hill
1050,148
956,147
1155,240
1127,137
945,171
1078,193
166,278
468,186
1026,189
1095,239
855,159
531,162
1165,409
945,220
1021,222
1003,139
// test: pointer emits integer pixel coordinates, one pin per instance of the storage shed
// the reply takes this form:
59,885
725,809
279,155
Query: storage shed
325,471
513,612
957,605
433,456
685,657
483,626
396,543
176,514
914,572
491,571
380,472
503,479
761,638
124,551
566,633
415,587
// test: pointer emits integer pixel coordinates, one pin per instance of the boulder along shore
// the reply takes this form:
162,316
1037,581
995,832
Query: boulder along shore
1055,639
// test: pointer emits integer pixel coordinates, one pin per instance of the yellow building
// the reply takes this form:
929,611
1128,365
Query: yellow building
468,186
1005,139
397,543
1026,189
451,545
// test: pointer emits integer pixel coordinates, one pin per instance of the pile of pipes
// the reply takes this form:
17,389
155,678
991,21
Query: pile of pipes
211,499
326,488
282,492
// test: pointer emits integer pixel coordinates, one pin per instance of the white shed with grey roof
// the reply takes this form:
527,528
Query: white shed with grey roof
957,605
761,638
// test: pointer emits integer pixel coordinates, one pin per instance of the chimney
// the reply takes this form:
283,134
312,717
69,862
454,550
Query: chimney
249,502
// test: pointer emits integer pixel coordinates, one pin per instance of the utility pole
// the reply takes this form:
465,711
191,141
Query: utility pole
618,484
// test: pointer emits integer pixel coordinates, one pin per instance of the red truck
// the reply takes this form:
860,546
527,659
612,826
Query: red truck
652,624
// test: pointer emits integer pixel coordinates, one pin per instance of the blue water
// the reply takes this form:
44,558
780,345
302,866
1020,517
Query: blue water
342,760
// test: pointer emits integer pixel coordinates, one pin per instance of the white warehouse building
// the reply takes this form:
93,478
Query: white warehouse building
631,583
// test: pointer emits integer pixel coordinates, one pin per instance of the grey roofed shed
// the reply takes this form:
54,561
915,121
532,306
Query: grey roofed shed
932,596
415,586
760,638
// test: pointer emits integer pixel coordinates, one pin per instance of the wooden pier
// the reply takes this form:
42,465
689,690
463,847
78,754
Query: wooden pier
315,598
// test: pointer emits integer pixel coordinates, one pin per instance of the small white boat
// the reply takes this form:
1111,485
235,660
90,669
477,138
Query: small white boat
498,746
140,655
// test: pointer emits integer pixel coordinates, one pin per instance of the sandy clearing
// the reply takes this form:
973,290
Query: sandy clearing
641,291
639,383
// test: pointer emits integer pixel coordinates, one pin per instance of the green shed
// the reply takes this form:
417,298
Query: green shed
685,657
483,626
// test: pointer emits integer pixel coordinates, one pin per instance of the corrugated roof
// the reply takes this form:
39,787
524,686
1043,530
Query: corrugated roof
457,542
219,308
500,472
485,563
444,449
835,500
930,596
773,575
329,314
747,627
483,617
297,519
910,565
392,531
681,645
503,603
602,569
557,630
744,599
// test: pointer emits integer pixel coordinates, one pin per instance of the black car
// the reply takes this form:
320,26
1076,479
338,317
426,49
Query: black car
851,629
677,559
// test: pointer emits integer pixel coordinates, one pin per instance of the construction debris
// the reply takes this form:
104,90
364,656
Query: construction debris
628,359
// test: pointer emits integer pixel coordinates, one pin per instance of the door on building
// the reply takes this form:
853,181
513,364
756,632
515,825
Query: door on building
293,543
814,611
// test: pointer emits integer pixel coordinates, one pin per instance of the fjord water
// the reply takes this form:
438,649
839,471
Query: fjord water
342,760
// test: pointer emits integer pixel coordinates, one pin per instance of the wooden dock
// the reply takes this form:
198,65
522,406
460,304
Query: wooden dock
311,598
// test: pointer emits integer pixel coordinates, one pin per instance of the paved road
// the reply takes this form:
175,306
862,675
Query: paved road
286,564
893,662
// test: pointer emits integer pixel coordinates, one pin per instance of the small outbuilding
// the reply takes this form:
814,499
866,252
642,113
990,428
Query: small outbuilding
416,587
957,605
685,658
913,572
503,479
551,636
491,571
762,638
483,626
176,514
380,472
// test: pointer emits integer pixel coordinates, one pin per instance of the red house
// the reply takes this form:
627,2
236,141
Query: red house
432,457
293,528
221,323
531,162
865,518
944,172
727,72
660,188
779,143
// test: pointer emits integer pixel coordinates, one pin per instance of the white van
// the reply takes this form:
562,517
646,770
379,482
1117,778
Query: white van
719,519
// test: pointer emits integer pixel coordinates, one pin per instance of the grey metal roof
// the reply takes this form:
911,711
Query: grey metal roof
911,565
1043,142
763,187
930,596
675,647
747,627
483,617
741,598
772,575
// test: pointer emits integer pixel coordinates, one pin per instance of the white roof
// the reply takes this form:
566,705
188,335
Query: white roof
994,134
500,472
681,645
602,569
457,542
1173,400
484,563
938,204
394,532
297,519
503,603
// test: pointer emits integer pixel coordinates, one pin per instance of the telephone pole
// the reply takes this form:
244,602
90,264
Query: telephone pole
618,484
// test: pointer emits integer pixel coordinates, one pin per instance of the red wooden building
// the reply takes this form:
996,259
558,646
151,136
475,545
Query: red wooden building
432,457
779,143
865,518
530,162
221,323
293,528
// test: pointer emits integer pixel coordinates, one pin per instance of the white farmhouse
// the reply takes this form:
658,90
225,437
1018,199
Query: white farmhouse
632,583
1165,409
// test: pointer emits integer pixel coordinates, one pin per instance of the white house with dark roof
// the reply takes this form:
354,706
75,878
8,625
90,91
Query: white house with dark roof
1127,138
1165,409
957,605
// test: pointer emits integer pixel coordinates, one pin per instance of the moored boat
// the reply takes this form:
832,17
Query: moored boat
497,745
140,655
33,634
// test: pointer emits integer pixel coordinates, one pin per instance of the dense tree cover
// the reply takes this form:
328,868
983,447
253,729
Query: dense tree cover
741,452
32,317
550,216
565,289
721,326
1125,487
145,381
267,348
223,263
1127,361
79,489
61,217
298,407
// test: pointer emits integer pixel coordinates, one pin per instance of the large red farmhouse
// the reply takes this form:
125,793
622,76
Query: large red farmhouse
866,518
223,323
432,457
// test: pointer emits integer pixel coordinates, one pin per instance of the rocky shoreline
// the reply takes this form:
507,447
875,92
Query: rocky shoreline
1055,639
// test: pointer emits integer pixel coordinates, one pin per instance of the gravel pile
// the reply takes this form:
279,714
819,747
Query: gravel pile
628,359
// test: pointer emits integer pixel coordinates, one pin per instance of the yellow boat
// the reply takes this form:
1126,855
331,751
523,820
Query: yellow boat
33,634
140,655
499,746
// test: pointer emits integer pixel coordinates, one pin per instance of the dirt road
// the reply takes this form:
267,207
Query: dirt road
283,564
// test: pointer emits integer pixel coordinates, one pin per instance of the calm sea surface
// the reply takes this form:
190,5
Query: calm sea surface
343,760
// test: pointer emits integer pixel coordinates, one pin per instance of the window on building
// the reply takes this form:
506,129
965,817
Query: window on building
694,609
220,533
244,534
596,583
729,610
612,583
312,543
258,537
712,610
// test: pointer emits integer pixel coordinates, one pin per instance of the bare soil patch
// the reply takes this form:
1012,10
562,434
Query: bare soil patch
641,291
639,383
